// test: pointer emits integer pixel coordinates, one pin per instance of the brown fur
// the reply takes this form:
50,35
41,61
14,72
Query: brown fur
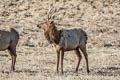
53,33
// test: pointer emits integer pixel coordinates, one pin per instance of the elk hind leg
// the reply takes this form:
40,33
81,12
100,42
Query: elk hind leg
13,54
77,52
83,49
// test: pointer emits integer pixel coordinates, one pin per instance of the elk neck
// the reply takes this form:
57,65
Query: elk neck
54,34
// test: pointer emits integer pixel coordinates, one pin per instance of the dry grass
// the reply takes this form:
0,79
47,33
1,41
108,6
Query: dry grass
36,59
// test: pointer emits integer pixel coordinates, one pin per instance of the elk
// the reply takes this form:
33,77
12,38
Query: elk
65,40
8,41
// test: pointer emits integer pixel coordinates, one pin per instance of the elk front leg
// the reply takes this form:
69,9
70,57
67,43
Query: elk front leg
58,58
62,57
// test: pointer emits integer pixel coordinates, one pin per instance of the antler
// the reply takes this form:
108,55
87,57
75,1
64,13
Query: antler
50,16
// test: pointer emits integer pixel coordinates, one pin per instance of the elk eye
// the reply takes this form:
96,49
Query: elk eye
51,22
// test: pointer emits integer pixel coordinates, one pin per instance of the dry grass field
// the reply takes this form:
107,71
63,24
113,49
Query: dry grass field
36,58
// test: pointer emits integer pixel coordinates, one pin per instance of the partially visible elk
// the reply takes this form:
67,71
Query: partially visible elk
65,40
8,41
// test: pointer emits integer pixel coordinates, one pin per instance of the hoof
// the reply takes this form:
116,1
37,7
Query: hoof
76,71
88,71
12,70
57,71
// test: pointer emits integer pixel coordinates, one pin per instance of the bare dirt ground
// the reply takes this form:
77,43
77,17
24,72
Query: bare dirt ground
36,59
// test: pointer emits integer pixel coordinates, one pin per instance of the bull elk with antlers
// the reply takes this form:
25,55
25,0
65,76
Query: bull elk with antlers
65,40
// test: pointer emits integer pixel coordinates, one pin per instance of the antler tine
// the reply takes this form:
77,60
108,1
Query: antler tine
49,13
52,11
52,16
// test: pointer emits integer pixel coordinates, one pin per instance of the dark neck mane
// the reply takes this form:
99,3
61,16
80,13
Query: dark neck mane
54,34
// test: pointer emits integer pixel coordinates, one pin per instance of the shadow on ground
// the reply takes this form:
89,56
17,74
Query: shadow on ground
108,71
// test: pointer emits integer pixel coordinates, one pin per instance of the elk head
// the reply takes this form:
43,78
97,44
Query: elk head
47,26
